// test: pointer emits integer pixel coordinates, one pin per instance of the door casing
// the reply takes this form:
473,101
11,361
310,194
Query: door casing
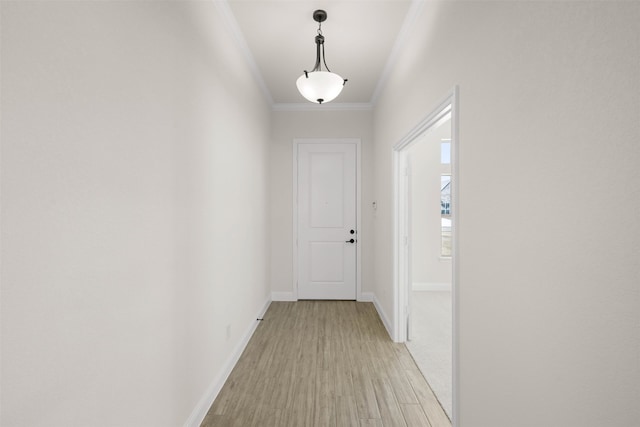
401,221
296,143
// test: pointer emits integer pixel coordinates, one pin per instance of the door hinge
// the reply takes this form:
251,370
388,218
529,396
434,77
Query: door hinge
406,240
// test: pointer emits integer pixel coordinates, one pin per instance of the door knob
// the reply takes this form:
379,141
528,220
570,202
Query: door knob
349,241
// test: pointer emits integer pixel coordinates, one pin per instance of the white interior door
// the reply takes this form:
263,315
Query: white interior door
327,217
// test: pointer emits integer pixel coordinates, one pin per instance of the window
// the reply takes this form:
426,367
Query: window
445,152
445,198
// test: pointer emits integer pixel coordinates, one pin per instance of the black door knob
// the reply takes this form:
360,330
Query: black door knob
349,241
352,232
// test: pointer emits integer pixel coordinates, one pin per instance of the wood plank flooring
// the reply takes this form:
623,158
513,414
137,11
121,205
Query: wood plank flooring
325,364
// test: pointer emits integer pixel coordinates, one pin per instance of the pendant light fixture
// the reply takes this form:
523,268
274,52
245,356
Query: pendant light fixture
317,85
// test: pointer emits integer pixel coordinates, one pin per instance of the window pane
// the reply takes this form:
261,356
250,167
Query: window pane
445,194
445,214
445,152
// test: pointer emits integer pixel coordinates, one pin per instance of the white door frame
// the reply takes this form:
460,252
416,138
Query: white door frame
296,143
401,229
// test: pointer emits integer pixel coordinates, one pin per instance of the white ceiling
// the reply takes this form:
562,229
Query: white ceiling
280,37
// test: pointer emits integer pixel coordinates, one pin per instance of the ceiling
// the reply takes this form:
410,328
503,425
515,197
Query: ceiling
279,37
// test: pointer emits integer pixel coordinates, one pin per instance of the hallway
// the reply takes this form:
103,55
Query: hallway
147,212
325,363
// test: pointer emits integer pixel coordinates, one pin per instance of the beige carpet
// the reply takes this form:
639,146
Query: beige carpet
431,344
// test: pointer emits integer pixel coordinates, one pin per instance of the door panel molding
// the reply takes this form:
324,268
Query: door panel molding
295,148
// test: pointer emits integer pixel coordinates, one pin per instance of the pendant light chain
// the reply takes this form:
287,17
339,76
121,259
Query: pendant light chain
324,58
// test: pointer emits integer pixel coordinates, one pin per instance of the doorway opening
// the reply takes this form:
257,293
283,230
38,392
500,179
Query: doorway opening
426,212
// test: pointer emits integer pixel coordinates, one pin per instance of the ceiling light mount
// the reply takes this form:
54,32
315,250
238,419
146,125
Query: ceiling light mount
319,16
316,85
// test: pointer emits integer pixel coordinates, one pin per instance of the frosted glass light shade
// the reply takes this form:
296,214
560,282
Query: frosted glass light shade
320,86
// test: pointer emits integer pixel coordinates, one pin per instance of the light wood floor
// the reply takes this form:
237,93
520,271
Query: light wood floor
325,363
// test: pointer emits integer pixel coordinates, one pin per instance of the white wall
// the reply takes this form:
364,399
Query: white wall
134,210
549,302
286,126
429,270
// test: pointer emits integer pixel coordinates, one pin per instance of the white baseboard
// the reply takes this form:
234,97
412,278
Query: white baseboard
383,316
283,296
289,296
431,286
366,297
201,409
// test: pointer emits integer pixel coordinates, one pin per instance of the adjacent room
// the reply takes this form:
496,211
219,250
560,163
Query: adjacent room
429,206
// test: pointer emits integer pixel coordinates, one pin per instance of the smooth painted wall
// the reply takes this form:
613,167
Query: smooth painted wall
287,126
134,210
548,313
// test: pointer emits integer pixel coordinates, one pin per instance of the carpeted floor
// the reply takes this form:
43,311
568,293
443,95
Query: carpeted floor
431,344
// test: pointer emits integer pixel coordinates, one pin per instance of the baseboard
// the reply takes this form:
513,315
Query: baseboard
431,286
201,409
383,316
289,296
283,296
366,297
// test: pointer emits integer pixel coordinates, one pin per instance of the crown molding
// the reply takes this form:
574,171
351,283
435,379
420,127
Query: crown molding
232,25
403,34
330,106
